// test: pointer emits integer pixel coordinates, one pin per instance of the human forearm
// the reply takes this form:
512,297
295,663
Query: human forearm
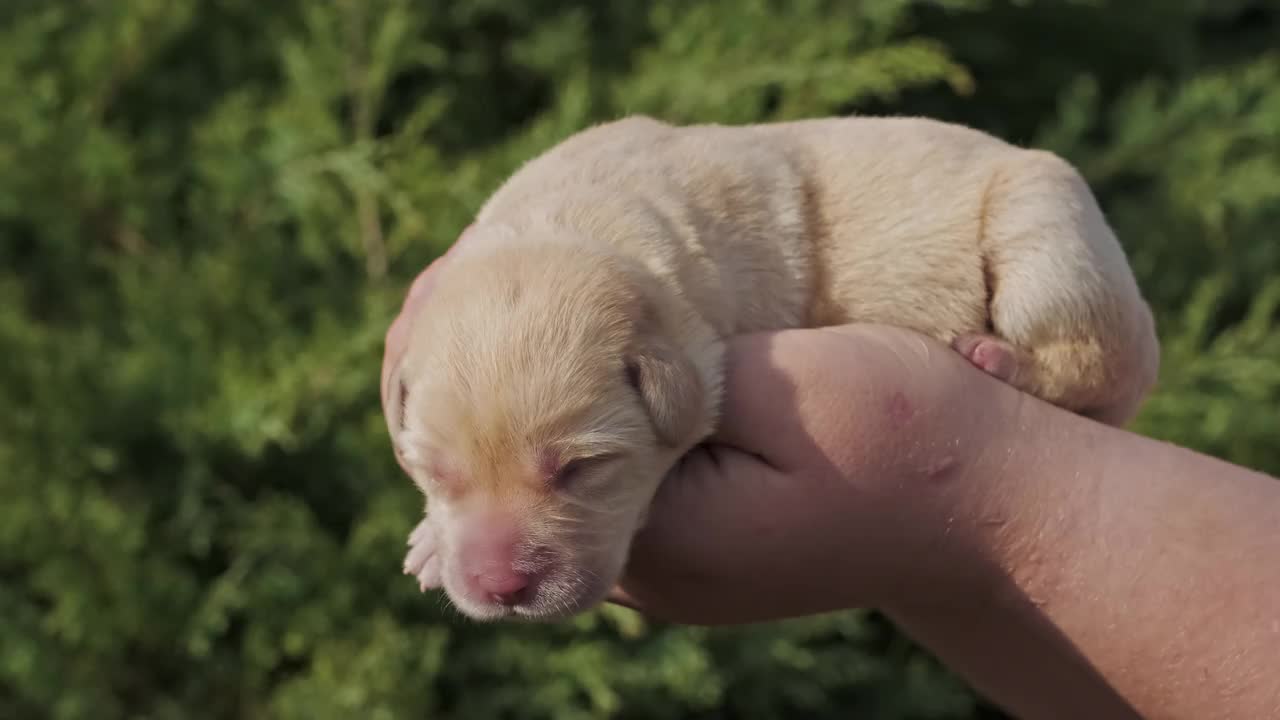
1011,653
1160,566
1026,545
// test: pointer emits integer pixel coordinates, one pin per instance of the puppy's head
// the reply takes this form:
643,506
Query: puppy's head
545,393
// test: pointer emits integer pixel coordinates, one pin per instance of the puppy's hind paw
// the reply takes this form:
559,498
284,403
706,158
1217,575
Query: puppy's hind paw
989,354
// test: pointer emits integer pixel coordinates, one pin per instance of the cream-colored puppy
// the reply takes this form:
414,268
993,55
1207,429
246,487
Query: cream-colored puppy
572,347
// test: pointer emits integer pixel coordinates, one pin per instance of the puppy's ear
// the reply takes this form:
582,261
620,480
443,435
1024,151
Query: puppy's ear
396,397
669,387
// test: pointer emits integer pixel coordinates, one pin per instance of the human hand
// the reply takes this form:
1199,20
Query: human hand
850,470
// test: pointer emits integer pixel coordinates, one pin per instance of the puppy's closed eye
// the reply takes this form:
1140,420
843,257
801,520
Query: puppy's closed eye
574,470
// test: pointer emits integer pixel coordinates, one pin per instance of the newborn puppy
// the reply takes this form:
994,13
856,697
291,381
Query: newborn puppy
572,348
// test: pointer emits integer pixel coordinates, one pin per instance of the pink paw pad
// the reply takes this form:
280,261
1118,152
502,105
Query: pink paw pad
991,355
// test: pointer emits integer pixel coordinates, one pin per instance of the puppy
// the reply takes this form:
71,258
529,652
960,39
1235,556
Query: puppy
572,348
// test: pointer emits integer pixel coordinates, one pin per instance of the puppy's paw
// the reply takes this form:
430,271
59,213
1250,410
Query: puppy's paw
422,560
989,354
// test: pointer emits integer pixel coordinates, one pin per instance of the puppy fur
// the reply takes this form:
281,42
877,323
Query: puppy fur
572,349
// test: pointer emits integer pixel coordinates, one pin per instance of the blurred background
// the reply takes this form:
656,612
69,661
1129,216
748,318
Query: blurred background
210,210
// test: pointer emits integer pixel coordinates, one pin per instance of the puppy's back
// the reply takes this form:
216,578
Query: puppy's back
814,222
717,215
907,221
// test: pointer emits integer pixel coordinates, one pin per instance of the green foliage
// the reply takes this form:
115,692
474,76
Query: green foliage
209,211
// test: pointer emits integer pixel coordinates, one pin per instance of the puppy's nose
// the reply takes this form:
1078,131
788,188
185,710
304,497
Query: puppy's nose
505,587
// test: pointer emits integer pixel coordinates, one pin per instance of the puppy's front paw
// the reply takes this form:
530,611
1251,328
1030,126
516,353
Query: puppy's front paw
989,354
422,560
